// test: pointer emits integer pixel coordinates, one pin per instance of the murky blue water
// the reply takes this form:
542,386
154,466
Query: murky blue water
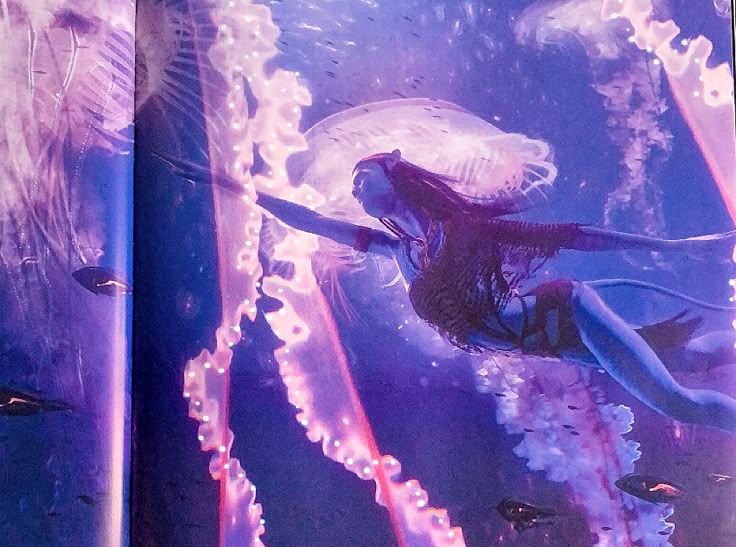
630,165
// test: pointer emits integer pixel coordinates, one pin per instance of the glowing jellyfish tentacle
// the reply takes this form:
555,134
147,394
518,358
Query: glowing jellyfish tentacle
245,42
704,94
571,436
207,377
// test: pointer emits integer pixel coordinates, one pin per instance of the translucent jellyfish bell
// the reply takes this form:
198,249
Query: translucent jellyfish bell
485,163
442,137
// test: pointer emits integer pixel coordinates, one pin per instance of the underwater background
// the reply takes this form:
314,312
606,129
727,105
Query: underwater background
627,160
208,79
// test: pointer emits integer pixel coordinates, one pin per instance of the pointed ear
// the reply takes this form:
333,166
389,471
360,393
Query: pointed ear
393,159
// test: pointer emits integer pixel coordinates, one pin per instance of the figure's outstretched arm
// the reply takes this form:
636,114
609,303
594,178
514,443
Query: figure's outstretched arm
590,238
305,219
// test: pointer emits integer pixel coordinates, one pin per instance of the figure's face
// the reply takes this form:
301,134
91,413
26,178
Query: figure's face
373,190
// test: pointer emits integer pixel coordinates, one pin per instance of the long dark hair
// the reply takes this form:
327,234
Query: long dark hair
431,193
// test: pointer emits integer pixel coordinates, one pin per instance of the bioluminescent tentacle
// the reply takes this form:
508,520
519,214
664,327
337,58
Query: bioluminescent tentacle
312,362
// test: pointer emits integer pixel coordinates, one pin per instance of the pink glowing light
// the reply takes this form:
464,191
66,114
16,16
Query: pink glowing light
312,363
704,94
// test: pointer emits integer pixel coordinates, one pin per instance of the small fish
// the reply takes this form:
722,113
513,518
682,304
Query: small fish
87,500
416,34
649,488
371,19
330,74
606,528
576,433
718,478
500,394
568,426
528,430
573,407
524,516
18,403
100,280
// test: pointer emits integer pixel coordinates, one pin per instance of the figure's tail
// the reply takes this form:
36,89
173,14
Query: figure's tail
606,283
670,333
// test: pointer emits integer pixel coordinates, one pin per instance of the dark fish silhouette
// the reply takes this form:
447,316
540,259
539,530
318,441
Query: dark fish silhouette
18,403
649,488
100,280
87,500
721,480
524,516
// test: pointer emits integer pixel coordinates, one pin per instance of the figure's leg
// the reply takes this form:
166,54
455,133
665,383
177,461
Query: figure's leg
633,364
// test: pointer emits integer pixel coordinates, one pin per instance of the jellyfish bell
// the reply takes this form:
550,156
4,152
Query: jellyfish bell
178,94
477,159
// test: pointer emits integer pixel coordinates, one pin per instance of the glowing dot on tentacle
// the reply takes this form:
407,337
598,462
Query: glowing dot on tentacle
336,443
350,461
226,466
221,370
241,475
200,438
205,418
197,403
190,374
187,395
345,420
208,365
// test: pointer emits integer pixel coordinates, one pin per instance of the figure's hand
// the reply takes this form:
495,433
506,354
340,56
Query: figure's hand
718,247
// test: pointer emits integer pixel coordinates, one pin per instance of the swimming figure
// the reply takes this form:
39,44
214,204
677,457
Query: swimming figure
467,271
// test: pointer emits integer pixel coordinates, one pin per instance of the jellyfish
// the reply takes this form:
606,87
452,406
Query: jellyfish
65,116
262,148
